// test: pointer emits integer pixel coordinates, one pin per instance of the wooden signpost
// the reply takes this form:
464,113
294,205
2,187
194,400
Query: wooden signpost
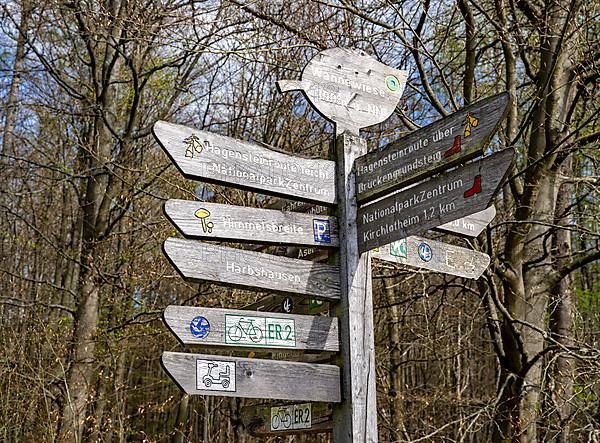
434,256
447,197
353,91
215,221
471,225
220,264
285,419
247,329
226,161
444,143
199,374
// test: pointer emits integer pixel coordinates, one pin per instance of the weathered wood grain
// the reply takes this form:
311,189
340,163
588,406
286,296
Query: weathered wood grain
434,256
302,305
471,225
259,420
247,329
349,88
356,418
253,378
226,161
438,146
298,206
444,198
253,225
197,260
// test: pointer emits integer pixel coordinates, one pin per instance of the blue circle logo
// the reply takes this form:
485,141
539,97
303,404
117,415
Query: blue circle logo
200,327
425,252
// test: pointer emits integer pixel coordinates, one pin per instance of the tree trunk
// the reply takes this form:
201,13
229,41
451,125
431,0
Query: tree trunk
82,369
13,92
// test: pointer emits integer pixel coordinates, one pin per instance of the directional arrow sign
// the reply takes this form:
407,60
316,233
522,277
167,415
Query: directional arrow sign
434,256
234,328
199,374
197,260
262,421
447,142
253,225
226,161
471,225
447,197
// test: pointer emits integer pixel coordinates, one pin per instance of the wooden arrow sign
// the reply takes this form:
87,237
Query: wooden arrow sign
226,161
447,197
282,419
253,225
247,329
471,225
438,146
201,261
199,374
435,256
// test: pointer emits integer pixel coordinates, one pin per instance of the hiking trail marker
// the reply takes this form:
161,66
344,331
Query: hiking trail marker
470,225
202,261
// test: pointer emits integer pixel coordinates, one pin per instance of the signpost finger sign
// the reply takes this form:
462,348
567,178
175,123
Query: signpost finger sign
449,196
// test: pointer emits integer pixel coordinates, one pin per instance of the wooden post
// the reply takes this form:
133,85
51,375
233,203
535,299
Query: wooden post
355,419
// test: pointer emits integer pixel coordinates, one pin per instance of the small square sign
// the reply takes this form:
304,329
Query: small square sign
322,231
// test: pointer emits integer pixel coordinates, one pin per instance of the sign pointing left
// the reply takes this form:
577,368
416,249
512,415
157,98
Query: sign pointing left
199,374
226,161
214,221
236,328
197,260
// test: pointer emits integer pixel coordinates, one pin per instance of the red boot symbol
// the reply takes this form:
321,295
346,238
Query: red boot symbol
455,149
475,189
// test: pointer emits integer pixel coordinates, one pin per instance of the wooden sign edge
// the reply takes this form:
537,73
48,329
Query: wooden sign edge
265,191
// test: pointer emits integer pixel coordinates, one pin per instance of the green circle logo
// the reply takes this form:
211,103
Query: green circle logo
392,83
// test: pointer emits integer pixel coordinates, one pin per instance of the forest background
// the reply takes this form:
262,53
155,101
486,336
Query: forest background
514,356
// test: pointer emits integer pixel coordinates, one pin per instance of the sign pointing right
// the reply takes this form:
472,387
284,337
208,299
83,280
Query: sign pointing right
471,225
447,142
447,197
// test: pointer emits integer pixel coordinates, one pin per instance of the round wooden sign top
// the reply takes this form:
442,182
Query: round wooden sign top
349,88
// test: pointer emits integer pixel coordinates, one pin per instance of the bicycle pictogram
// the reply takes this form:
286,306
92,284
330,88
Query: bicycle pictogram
282,419
244,329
